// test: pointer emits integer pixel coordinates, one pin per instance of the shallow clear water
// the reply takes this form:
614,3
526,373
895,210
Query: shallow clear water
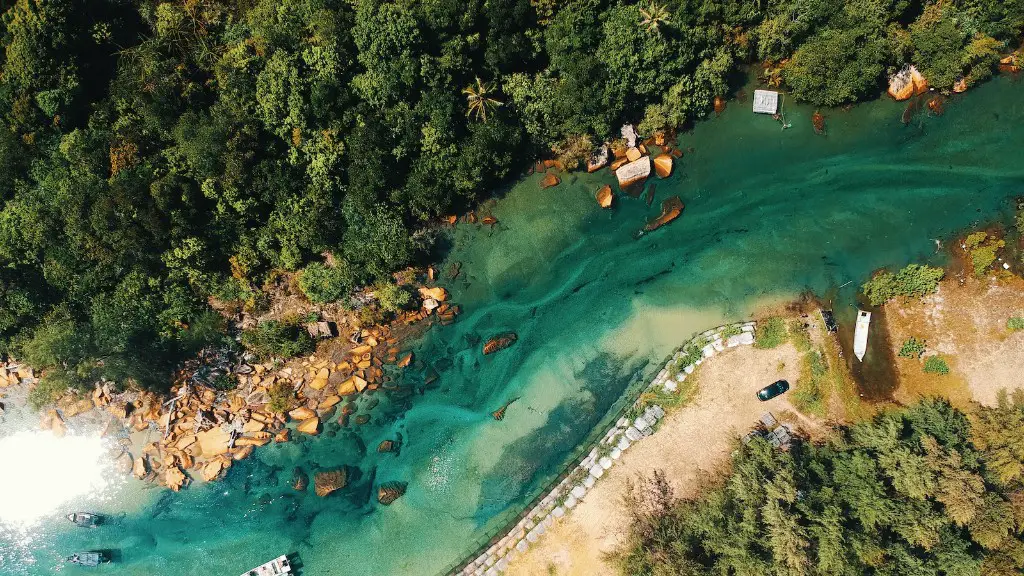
769,213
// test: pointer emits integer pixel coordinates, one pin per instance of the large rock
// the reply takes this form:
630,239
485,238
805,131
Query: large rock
634,172
319,381
301,413
437,293
214,441
310,426
212,469
907,83
329,481
140,467
175,479
329,402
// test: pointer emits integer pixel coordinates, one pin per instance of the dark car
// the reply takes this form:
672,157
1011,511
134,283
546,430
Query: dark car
772,390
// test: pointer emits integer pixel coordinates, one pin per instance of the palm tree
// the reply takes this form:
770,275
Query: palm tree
655,16
478,99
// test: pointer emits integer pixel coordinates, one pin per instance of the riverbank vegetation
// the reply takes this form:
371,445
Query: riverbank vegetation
158,158
921,490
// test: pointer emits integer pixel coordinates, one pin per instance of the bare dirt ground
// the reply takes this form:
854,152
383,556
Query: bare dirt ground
966,325
691,444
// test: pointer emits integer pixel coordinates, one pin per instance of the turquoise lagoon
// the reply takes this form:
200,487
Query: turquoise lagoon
769,214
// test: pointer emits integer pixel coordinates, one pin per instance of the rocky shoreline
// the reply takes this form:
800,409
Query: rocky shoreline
199,430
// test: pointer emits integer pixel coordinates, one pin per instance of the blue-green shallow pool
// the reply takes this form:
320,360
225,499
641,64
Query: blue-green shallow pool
768,214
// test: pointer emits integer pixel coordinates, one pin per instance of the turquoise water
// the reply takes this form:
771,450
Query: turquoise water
769,213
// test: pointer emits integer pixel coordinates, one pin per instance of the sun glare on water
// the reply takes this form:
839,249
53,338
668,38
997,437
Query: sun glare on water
41,472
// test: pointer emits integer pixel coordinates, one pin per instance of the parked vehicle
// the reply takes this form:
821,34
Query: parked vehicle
772,390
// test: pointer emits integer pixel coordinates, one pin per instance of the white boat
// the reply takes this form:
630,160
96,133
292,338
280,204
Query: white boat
276,567
860,336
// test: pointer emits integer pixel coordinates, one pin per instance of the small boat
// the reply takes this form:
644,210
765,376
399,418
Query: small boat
276,567
830,320
91,558
860,336
85,519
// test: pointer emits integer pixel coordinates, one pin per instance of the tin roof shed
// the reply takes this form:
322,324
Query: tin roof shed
766,101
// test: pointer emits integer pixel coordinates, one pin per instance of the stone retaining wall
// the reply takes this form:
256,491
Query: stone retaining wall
564,495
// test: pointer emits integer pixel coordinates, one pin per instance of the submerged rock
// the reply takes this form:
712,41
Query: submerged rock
604,196
549,181
671,208
299,480
140,468
663,165
500,342
330,480
390,491
386,446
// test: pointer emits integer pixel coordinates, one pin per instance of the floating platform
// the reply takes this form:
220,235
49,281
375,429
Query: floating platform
860,336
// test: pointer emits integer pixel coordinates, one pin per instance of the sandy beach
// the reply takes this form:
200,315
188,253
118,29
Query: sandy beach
690,444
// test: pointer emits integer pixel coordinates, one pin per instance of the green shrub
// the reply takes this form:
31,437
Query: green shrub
49,389
223,382
936,365
391,297
913,281
770,333
275,339
322,284
281,396
912,348
1015,323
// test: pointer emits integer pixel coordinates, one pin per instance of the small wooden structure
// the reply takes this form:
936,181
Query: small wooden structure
766,102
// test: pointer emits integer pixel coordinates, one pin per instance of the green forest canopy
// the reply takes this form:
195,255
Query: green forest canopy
922,491
156,154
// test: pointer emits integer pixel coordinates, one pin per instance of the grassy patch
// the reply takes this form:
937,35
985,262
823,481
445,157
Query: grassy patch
771,332
912,348
1015,323
811,391
936,365
982,249
691,353
731,331
670,401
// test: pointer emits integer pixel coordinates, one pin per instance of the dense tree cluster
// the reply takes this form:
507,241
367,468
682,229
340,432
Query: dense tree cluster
919,491
159,156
